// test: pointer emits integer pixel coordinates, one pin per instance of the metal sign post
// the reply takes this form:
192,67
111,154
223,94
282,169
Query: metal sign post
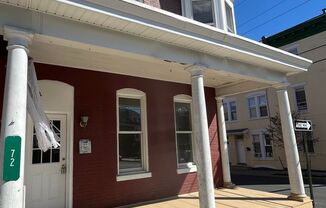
305,126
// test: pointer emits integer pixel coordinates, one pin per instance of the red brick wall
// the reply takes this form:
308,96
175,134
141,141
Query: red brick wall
94,175
168,5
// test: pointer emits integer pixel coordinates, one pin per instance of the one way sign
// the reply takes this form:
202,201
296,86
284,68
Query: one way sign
303,125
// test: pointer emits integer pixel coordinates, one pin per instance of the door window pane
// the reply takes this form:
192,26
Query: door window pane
36,156
51,155
203,11
55,155
46,157
183,116
129,151
129,114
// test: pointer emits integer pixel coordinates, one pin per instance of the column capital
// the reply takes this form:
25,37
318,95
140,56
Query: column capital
281,86
219,99
196,70
17,36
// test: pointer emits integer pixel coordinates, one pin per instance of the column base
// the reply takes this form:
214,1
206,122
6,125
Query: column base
229,185
299,197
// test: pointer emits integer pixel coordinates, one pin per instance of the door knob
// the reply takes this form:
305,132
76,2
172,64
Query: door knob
63,169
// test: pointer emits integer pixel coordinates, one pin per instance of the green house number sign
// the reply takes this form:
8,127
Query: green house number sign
11,163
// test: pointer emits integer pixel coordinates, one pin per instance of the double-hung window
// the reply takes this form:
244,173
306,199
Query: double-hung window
300,97
183,126
132,135
230,109
257,105
262,144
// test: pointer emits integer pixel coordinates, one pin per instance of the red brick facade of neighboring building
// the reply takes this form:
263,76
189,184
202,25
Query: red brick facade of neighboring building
94,175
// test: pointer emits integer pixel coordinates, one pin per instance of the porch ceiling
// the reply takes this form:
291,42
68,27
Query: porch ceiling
122,64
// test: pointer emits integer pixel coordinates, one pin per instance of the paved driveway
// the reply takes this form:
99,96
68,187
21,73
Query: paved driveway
277,182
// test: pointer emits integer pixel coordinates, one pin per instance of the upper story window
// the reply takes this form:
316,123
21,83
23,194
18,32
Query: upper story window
208,12
203,11
229,17
300,97
132,134
183,127
230,109
257,104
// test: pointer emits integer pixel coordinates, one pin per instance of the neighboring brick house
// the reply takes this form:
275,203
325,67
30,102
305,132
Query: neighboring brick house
249,142
130,89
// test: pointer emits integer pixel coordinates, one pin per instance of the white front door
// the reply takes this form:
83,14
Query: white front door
241,154
45,174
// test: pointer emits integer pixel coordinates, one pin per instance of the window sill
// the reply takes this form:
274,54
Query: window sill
134,176
231,121
303,111
183,170
258,118
264,158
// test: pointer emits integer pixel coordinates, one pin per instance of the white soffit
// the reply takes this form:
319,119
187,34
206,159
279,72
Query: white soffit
148,22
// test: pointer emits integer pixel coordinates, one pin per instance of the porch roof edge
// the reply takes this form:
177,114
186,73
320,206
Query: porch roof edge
206,39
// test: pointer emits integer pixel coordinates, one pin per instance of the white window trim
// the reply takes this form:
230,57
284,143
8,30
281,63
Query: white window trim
227,102
295,87
184,167
230,4
134,176
256,95
219,13
261,133
191,169
134,173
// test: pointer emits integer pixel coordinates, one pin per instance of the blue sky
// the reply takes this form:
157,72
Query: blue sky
257,18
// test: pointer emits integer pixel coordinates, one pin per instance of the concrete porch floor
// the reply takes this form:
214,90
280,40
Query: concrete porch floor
231,198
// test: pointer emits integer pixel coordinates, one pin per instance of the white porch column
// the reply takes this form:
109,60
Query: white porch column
200,131
290,146
224,144
14,112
